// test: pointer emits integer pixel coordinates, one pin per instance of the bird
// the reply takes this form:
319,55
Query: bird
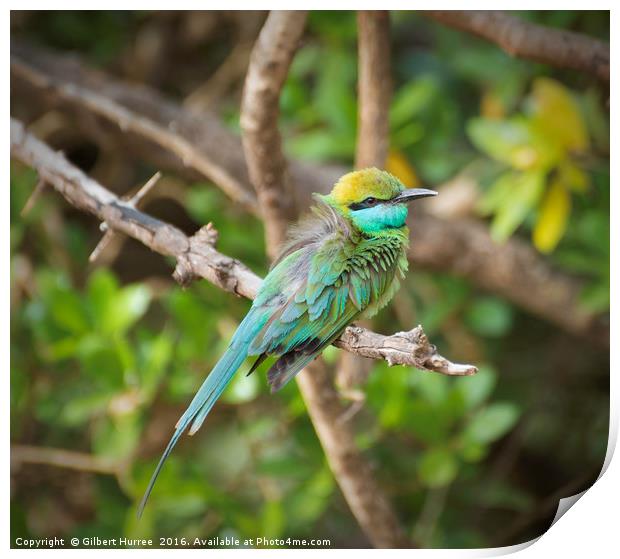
343,261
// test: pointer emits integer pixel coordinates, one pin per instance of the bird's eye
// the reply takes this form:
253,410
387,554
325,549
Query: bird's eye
365,203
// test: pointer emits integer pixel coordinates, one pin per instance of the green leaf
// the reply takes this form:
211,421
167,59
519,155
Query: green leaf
310,499
491,423
472,452
412,99
596,297
499,494
498,194
99,360
67,310
322,144
272,519
157,353
433,388
242,389
526,191
489,316
507,141
425,421
116,310
476,389
79,409
437,468
130,304
102,287
116,438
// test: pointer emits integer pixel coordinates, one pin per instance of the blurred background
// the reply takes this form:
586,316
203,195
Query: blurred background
106,356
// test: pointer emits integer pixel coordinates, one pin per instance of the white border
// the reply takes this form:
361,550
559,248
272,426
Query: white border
587,528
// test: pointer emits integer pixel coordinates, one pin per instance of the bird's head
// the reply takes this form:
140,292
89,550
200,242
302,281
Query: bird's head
373,200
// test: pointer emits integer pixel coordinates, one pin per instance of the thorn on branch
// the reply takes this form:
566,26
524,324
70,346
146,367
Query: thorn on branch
33,198
134,202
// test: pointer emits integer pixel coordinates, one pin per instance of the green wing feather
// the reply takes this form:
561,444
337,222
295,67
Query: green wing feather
326,277
320,287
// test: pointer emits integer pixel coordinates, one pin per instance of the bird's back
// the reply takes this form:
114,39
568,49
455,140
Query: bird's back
328,274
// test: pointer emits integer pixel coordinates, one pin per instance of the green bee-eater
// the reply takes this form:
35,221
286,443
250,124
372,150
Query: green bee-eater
341,263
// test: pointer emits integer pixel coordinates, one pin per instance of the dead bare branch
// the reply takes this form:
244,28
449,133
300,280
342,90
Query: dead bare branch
523,39
196,255
397,349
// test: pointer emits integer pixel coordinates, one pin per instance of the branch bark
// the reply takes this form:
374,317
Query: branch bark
197,257
260,109
373,139
25,454
269,65
457,246
398,348
514,271
565,49
374,89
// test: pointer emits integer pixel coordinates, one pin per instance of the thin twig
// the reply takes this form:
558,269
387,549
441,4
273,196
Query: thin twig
25,454
523,39
33,198
134,202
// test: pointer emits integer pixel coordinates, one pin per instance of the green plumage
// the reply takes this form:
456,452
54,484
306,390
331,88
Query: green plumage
328,275
342,262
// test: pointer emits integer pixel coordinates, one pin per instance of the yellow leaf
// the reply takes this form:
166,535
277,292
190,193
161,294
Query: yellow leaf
398,165
573,177
552,217
557,115
491,106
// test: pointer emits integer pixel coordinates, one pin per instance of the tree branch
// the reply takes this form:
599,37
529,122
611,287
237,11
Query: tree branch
457,246
25,454
523,39
196,256
374,89
514,271
398,348
373,141
269,64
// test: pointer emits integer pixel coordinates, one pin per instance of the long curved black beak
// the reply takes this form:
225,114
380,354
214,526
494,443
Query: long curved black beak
410,194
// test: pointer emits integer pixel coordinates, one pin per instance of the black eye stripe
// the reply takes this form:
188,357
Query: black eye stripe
367,203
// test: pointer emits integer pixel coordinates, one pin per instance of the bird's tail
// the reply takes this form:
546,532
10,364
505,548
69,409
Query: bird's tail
207,395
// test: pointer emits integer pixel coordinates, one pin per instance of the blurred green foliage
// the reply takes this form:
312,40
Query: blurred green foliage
104,365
